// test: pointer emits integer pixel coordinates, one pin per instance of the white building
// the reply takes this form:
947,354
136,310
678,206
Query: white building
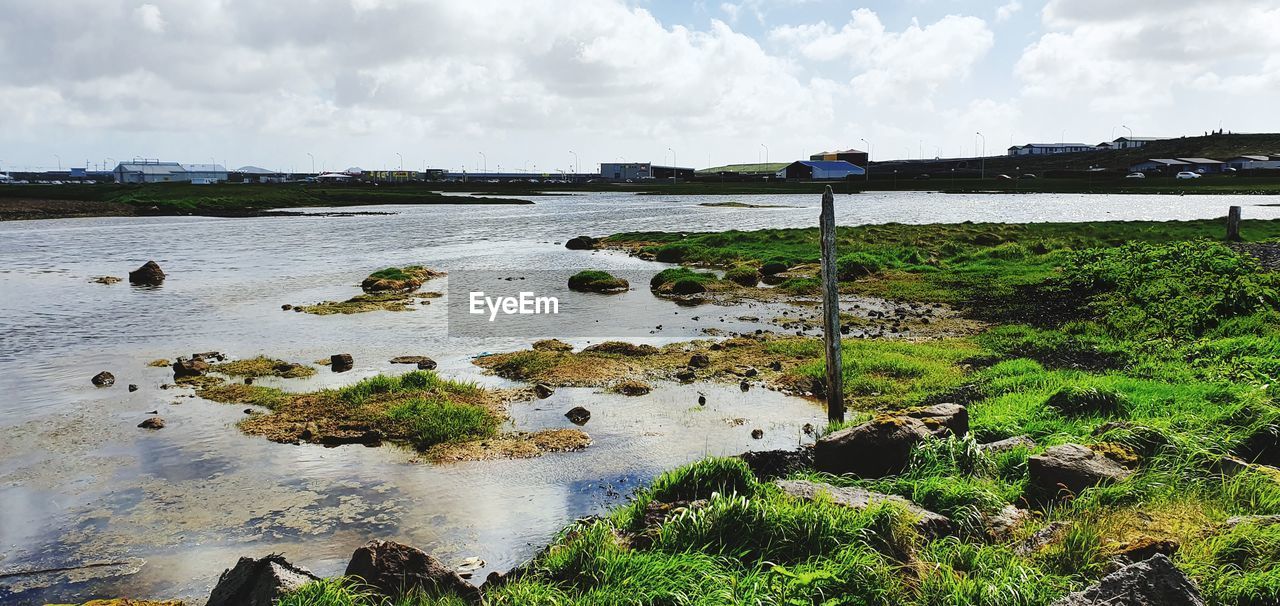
1134,142
202,174
149,171
1038,149
1254,162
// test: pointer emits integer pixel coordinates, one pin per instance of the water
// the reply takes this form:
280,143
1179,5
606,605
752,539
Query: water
80,484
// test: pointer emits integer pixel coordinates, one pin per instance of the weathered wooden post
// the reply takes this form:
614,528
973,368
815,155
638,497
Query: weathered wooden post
831,308
1233,224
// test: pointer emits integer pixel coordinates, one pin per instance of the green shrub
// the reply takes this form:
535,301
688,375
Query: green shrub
1081,400
594,280
857,265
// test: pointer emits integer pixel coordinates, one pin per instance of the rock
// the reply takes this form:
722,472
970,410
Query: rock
1152,582
1008,444
770,464
152,423
1001,525
580,243
543,391
341,362
699,360
685,375
209,356
874,449
248,380
258,582
631,387
1071,467
1263,446
1143,548
393,569
1255,520
147,275
702,400
423,362
104,379
286,307
930,523
133,387
744,385
578,415
775,365
622,348
1041,538
757,433
943,419
193,367
744,371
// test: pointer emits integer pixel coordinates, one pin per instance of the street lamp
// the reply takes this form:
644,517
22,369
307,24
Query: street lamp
313,162
1130,141
59,161
485,159
401,161
869,148
574,168
675,173
982,161
766,155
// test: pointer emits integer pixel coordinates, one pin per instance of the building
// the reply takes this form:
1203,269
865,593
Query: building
634,171
1160,165
820,170
256,174
1254,162
855,157
1204,165
203,174
149,171
1040,149
1134,142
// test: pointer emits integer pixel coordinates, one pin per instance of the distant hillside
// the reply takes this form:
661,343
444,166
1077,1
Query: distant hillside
771,167
1217,147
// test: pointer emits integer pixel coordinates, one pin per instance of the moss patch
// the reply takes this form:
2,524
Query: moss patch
262,366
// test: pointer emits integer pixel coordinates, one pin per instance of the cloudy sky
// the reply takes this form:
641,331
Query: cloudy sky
521,84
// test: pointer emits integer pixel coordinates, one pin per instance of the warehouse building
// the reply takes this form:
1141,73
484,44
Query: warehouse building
810,170
635,171
149,171
855,157
1160,165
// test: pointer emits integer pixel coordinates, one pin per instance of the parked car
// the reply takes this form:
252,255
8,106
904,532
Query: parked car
1135,176
1003,177
1186,174
1027,176
922,176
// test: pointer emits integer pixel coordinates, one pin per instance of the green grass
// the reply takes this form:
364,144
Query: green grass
434,421
595,280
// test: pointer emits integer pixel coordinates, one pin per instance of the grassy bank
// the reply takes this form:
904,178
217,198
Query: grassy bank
1153,345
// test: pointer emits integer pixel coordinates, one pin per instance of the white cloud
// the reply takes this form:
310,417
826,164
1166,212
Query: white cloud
149,18
1006,11
894,67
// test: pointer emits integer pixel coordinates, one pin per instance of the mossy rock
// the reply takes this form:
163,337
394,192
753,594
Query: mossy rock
743,275
398,279
594,280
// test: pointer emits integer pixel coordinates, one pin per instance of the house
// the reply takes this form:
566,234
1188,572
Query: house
1038,149
1254,162
820,171
855,157
1134,142
1160,165
1204,165
149,171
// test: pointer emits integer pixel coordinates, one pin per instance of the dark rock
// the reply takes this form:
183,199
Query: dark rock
745,371
341,362
152,423
147,275
133,387
699,360
757,433
580,243
543,391
286,307
209,356
1262,446
578,415
818,387
702,400
1007,444
685,375
771,464
1152,582
393,569
423,362
773,267
248,380
104,379
622,348
775,365
874,449
258,582
192,367
744,386
1071,467
930,523
427,365
943,419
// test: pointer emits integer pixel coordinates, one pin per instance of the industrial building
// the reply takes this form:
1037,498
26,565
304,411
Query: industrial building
635,171
155,171
1254,162
855,157
811,170
256,174
1132,142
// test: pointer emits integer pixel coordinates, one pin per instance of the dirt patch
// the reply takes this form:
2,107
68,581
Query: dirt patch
382,301
24,209
512,446
262,366
1267,253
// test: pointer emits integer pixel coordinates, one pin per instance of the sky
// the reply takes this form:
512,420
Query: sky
545,85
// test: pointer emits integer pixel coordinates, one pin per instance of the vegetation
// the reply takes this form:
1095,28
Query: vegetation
594,280
398,279
263,366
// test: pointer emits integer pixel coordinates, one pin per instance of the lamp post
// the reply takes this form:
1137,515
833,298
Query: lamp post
982,158
675,173
1128,143
574,168
401,158
870,147
766,156
485,161
313,162
59,161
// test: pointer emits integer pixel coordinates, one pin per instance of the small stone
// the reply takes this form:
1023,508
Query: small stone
699,360
543,391
341,362
702,400
152,423
104,379
757,433
578,415
147,275
286,307
133,387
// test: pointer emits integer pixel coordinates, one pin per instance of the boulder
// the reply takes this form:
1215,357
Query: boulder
104,379
1008,444
770,464
193,367
258,582
341,362
943,419
147,275
928,522
685,375
1151,582
393,569
1001,525
1071,467
543,391
580,243
578,415
699,360
875,449
410,359
152,423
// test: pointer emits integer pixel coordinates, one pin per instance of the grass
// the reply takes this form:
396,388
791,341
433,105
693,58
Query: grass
595,280
263,366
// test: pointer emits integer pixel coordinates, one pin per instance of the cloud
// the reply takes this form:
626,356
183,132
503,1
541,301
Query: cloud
894,67
149,18
1006,11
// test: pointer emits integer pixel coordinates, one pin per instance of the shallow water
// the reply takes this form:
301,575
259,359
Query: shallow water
80,484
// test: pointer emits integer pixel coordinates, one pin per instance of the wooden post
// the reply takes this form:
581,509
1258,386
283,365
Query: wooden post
1233,224
831,309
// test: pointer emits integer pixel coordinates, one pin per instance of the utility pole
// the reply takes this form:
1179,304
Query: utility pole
675,173
870,147
486,161
313,163
982,161
574,168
